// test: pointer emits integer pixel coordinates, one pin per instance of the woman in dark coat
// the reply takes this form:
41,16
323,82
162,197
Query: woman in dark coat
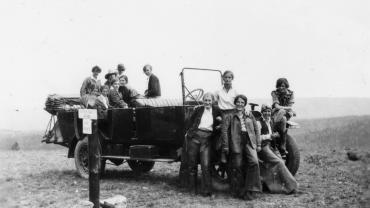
241,140
204,121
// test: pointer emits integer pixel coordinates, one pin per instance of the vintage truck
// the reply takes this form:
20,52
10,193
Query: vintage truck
144,135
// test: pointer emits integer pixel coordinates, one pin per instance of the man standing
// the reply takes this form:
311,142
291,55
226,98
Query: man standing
154,88
93,79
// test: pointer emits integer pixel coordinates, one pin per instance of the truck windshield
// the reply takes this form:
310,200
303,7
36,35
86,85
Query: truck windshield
206,80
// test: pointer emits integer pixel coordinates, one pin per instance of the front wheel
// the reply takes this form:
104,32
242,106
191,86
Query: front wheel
293,156
81,156
140,166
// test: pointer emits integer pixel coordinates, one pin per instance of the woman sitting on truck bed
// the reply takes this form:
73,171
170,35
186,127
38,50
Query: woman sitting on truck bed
88,100
115,97
129,95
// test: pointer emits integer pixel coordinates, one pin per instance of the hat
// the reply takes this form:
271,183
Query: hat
265,107
121,67
110,72
96,68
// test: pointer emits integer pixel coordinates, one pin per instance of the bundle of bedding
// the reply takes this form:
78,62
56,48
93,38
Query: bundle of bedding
56,103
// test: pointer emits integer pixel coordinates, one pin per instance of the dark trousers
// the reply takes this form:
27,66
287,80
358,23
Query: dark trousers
198,147
245,172
280,119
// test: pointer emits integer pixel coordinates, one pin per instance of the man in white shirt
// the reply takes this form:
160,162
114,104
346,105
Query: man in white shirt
203,123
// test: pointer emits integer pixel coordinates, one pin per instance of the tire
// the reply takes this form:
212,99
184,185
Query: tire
293,156
140,166
81,157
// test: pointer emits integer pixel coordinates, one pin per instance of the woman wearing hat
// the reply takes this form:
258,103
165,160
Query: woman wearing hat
110,77
274,174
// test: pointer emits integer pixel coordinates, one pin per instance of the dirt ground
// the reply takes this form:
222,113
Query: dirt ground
47,178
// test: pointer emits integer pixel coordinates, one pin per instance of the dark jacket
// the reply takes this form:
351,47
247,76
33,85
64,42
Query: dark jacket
154,88
115,99
264,128
195,118
231,132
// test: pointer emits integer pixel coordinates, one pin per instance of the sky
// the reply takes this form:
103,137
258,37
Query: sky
47,47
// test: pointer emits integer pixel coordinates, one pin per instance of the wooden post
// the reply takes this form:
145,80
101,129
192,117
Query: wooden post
94,163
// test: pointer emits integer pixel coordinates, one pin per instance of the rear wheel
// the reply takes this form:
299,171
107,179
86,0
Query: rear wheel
140,166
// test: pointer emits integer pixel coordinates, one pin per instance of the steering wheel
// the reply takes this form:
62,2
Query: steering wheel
195,94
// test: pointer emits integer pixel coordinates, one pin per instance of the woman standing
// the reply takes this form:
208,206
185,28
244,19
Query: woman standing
241,139
203,123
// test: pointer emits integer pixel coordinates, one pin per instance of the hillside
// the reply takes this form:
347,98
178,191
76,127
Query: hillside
334,133
27,140
341,132
307,108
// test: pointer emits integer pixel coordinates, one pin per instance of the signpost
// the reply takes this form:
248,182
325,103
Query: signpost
90,126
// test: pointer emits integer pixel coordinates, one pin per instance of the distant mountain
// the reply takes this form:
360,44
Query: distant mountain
327,107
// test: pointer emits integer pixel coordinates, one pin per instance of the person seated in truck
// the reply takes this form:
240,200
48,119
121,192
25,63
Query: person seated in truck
282,111
203,122
103,97
154,88
93,79
129,94
88,100
274,174
110,77
115,97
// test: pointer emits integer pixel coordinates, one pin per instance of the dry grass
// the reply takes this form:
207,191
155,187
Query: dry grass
47,178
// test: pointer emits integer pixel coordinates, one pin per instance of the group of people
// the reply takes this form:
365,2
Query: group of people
116,92
222,124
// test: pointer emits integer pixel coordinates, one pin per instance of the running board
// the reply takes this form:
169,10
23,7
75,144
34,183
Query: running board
141,159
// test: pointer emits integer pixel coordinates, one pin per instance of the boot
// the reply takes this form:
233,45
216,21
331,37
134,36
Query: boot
282,145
